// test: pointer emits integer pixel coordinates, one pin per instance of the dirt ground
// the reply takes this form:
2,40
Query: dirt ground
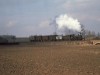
50,60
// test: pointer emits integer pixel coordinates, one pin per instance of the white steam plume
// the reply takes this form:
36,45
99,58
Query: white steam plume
64,21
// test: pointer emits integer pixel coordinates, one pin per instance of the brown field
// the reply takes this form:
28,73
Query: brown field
50,60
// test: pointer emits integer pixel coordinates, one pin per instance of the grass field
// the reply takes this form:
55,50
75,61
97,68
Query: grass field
50,60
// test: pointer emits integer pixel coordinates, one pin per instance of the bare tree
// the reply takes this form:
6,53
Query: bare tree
98,35
83,31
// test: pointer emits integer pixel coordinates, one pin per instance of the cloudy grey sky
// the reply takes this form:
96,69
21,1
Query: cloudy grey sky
31,17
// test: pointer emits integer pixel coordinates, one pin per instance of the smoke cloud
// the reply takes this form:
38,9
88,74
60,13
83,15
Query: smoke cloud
64,21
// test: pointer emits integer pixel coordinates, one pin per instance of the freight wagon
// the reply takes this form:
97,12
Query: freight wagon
42,38
7,40
3,40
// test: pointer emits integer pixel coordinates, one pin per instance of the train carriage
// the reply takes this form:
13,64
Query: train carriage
45,38
52,37
66,38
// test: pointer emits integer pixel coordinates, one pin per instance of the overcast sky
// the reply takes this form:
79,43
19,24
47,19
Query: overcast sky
33,17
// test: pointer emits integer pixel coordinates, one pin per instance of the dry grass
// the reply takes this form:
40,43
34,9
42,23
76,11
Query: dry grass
50,60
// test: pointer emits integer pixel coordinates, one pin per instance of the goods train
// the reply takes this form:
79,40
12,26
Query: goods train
72,37
10,40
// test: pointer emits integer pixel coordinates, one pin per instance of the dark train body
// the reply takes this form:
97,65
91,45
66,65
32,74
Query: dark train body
56,38
42,38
